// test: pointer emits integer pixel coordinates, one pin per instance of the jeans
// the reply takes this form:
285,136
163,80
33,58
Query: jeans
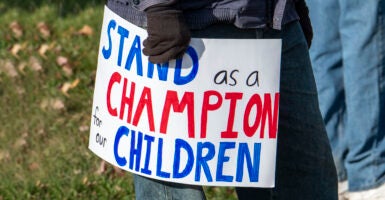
348,62
305,168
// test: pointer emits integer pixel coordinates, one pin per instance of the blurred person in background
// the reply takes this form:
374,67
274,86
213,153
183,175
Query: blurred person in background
305,168
347,55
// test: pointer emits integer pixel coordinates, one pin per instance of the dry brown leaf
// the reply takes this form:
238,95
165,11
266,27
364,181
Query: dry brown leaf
33,166
84,128
43,49
4,155
117,188
16,29
38,183
61,61
41,133
20,90
8,68
57,49
118,171
85,180
77,171
65,87
66,67
44,29
86,30
44,104
15,50
75,83
35,64
20,143
22,66
102,167
56,104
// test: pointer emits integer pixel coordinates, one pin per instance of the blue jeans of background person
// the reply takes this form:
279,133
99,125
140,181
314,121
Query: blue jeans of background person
305,168
348,61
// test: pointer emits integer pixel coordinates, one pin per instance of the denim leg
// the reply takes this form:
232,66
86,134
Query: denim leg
305,168
326,57
362,34
149,189
348,61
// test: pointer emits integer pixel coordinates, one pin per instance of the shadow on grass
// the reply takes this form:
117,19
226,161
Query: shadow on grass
64,7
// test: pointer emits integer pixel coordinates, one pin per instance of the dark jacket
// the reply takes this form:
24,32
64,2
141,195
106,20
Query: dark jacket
202,13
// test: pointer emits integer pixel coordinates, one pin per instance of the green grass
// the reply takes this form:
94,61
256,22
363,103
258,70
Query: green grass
43,130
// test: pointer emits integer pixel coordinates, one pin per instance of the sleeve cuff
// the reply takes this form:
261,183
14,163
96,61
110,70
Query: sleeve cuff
142,5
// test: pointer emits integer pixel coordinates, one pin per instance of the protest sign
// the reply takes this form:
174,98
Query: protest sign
209,118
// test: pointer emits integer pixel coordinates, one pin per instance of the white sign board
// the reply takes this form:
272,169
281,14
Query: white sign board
209,118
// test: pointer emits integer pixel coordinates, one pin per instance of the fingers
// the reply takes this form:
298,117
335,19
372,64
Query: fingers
173,53
163,51
155,47
151,49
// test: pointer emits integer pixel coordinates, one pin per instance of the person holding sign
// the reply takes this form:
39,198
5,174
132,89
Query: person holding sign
304,167
348,62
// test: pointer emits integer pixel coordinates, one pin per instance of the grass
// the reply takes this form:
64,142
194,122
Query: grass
46,86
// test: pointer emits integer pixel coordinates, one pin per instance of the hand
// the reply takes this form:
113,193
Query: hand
304,20
168,35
